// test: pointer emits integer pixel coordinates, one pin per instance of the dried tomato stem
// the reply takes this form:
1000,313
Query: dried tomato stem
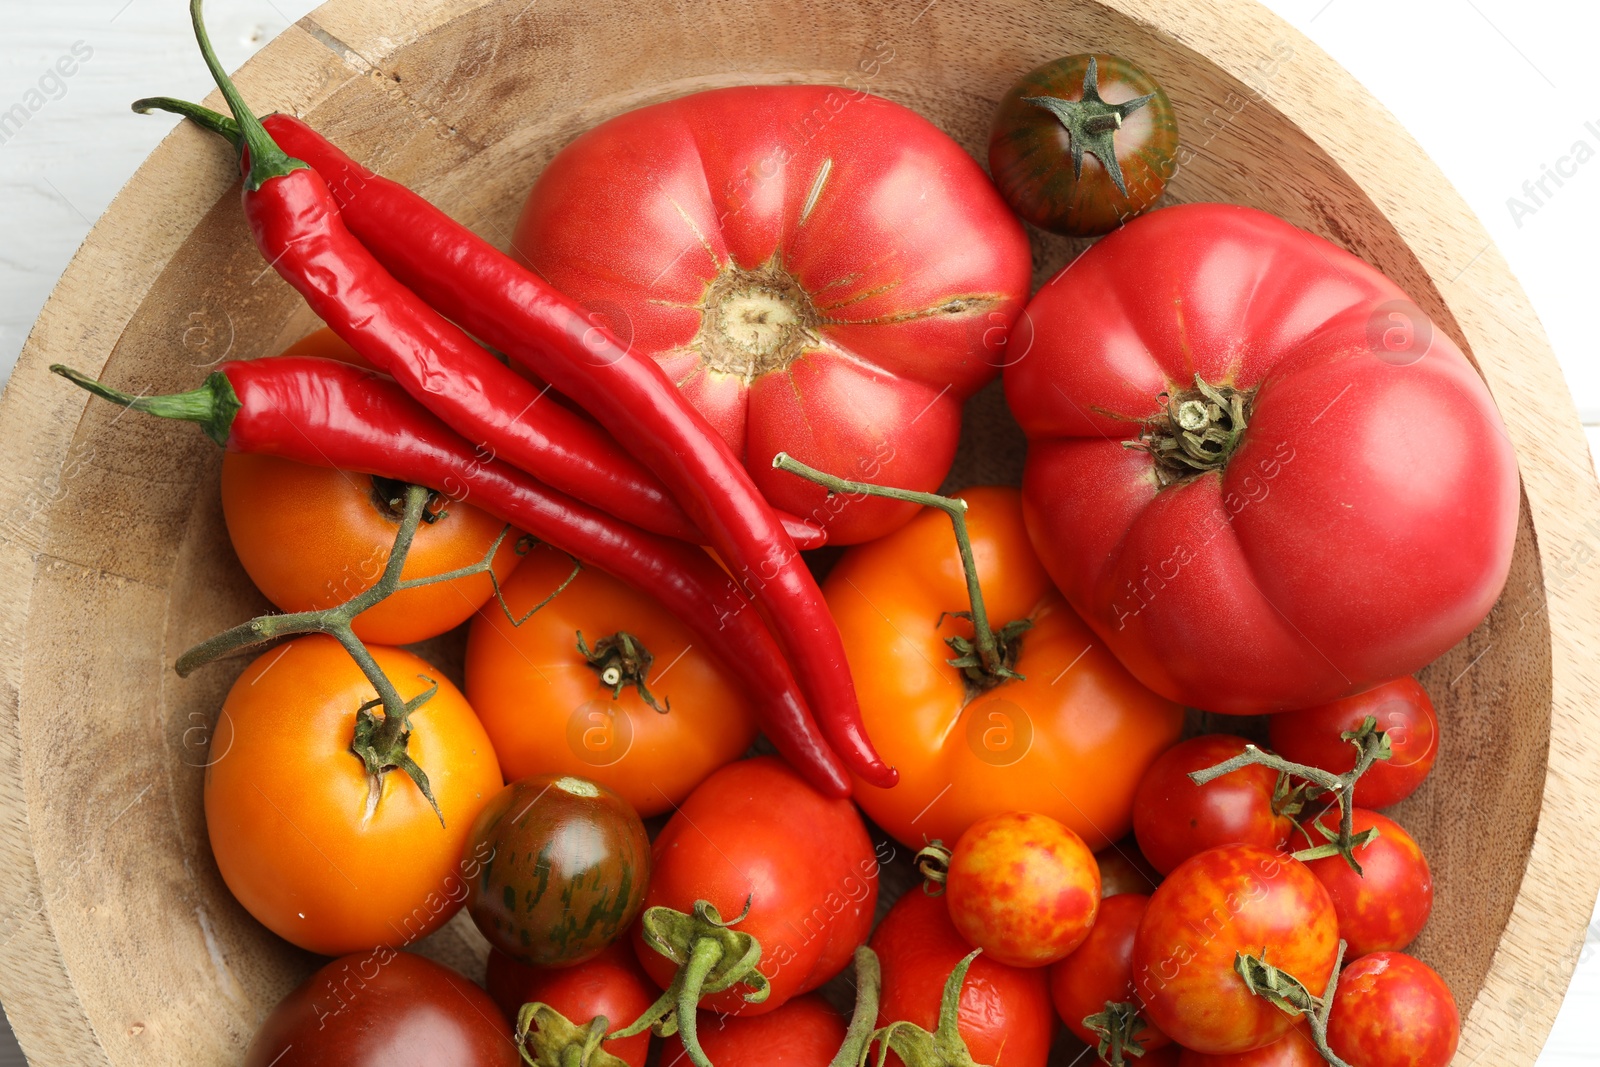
1289,995
1197,431
933,863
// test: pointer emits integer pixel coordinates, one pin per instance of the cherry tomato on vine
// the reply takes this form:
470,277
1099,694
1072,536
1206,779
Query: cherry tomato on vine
1023,888
1005,1015
1174,819
567,869
1402,710
384,1008
1392,1010
1226,901
1295,1050
1100,974
805,1032
1070,738
1386,906
611,984
550,707
299,834
1083,143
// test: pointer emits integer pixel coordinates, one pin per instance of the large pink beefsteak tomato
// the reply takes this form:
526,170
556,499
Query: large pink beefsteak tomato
821,271
1335,508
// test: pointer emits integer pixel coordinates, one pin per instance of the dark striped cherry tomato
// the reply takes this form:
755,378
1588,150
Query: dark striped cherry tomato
1385,906
1174,819
1100,974
805,1032
611,984
1393,1010
1402,710
567,869
1082,144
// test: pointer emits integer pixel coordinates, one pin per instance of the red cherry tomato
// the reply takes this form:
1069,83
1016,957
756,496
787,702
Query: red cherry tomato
1386,906
1005,1015
1392,1010
384,1008
806,1032
1101,972
1023,888
1225,901
1124,869
1295,1050
1404,712
1174,819
611,984
756,831
819,270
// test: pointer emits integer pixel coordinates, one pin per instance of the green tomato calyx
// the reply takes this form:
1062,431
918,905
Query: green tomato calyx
1092,124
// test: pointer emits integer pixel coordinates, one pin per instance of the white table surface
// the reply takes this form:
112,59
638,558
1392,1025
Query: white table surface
1497,91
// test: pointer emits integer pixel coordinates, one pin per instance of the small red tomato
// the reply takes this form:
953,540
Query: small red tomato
1295,1050
384,1008
1393,1010
1174,819
1123,869
1023,888
1385,906
1403,711
805,1032
611,984
1225,901
1004,1016
1100,972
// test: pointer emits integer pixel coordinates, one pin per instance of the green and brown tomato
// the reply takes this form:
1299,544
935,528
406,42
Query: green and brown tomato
568,864
1082,144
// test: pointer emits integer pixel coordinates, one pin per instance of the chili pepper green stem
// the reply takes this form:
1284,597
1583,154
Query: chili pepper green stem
213,405
267,160
198,114
991,659
1289,995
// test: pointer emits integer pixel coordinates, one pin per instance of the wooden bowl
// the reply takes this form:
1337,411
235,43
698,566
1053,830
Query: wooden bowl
120,943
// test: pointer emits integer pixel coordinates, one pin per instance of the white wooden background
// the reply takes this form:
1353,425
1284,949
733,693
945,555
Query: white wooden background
1504,94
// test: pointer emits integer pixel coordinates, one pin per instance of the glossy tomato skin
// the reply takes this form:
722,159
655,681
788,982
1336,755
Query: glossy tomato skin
384,1008
1069,740
1387,905
1404,712
1224,901
1174,819
805,1032
1101,971
1363,525
1294,1050
567,866
820,271
1005,1015
1023,888
756,831
548,712
1124,869
313,537
1030,150
611,984
284,801
1392,1010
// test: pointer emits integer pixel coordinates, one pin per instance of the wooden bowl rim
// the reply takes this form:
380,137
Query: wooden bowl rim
151,218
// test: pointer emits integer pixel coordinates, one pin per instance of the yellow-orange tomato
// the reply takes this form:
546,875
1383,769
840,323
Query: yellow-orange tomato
550,712
313,537
1070,739
1023,888
326,344
287,801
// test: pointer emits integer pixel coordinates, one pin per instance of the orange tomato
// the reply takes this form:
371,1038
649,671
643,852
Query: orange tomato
549,711
1070,739
287,801
326,344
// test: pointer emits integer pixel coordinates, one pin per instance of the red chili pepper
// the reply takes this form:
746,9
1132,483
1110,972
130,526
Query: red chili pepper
330,414
511,308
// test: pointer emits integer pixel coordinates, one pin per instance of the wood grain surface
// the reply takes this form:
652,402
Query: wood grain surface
122,946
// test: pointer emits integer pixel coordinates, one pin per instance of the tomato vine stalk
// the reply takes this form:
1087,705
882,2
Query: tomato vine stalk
1289,995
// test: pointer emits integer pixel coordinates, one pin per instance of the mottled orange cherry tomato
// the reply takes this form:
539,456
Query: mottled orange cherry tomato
1226,901
551,710
1295,1050
1386,906
1174,819
1392,1010
1069,739
1023,888
296,833
1100,973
